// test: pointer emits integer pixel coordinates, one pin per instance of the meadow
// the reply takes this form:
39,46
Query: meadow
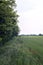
22,50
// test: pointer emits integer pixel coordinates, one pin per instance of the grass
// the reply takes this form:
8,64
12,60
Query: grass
23,50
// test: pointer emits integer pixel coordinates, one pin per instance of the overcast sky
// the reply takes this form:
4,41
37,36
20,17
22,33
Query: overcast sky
31,16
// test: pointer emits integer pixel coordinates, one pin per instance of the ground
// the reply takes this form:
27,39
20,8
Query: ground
22,50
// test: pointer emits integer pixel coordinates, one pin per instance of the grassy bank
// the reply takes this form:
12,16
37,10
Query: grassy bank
22,50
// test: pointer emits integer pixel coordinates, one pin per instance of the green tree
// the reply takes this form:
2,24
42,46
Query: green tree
8,20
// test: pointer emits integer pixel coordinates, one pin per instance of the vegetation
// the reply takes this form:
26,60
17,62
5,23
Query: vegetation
22,50
8,20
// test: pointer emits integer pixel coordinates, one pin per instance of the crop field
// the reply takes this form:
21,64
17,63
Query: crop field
23,50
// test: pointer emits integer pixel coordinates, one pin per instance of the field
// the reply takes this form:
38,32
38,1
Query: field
23,50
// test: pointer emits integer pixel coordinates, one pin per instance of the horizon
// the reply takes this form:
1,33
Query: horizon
32,34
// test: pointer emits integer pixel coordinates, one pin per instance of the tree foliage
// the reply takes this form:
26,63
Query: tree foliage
8,20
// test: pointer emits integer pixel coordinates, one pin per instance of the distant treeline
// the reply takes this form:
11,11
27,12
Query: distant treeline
31,34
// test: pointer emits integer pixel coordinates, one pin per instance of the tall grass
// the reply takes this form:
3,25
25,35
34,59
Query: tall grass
22,50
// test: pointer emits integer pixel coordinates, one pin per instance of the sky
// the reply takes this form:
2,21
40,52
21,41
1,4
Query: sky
30,16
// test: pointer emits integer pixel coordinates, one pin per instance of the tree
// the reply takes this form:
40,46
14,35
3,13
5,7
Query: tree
40,34
8,20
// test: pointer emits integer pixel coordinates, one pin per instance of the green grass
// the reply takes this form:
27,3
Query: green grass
22,50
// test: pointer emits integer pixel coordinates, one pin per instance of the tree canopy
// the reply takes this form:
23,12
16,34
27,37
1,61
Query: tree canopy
8,20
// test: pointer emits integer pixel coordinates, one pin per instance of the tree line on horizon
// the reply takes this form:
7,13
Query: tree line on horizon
31,34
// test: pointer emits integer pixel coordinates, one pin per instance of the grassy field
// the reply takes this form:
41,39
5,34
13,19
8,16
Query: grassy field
23,50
